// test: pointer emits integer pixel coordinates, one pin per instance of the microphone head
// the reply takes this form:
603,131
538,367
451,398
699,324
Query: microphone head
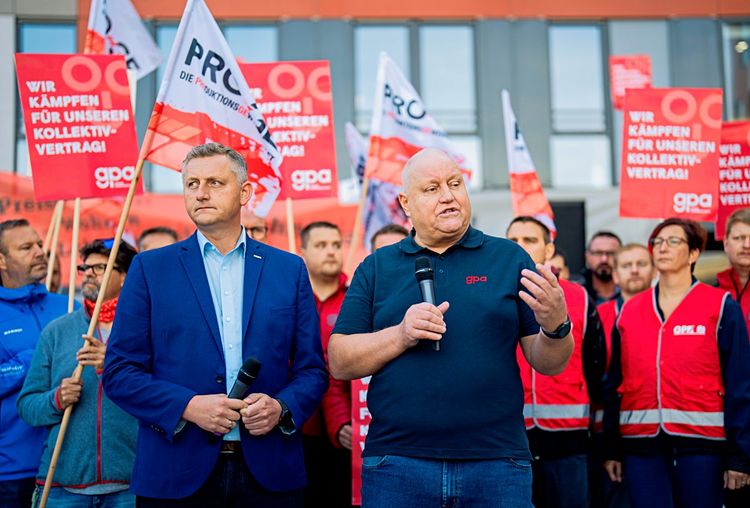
249,370
423,269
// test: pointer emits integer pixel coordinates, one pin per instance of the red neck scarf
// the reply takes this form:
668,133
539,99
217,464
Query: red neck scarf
107,312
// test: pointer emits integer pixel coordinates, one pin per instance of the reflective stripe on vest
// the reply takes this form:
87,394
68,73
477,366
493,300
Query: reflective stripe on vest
555,411
651,416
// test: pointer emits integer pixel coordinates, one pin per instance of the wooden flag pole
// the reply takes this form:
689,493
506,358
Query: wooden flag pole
74,254
99,301
290,233
48,239
53,246
357,230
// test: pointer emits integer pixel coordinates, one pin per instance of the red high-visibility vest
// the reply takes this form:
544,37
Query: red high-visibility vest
671,374
607,315
729,281
559,402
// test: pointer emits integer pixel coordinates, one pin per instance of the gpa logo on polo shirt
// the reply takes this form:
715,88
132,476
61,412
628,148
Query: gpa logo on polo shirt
689,330
474,279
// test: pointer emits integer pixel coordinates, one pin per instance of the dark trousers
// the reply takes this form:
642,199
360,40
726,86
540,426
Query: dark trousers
17,493
230,485
667,480
560,482
329,474
739,498
604,492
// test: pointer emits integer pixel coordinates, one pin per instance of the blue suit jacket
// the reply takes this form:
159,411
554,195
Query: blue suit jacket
165,347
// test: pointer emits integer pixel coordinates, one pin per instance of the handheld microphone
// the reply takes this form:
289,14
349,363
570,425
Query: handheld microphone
245,377
426,278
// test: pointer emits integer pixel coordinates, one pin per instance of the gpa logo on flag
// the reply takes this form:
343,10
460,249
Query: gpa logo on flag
113,177
687,202
311,179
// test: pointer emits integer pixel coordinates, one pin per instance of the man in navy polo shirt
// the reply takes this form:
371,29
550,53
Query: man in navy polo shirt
447,426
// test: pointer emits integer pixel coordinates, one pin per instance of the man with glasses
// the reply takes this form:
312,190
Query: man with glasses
254,225
600,257
156,237
94,466
25,308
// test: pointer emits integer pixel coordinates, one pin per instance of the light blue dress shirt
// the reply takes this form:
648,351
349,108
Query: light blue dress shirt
226,275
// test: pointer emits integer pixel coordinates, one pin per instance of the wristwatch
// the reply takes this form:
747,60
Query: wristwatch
286,424
561,331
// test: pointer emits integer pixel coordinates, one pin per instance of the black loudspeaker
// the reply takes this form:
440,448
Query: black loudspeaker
570,220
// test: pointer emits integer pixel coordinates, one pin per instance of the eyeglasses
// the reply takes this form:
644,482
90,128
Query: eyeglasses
257,231
672,241
602,253
98,268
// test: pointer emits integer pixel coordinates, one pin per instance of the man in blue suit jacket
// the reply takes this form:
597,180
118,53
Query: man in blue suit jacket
188,315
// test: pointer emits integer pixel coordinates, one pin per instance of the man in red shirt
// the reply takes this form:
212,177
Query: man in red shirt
327,435
734,279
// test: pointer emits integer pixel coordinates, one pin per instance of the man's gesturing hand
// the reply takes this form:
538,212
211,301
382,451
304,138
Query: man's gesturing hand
261,414
423,321
214,413
544,297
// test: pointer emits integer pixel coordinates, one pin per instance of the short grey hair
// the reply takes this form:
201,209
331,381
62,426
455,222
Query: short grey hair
237,161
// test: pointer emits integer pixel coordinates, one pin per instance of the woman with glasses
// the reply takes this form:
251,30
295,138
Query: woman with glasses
677,416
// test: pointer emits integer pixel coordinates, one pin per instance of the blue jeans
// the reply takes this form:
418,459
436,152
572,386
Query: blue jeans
674,481
561,482
17,493
393,481
61,498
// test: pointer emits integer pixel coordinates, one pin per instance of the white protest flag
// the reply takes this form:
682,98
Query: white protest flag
116,28
401,126
526,190
357,148
205,98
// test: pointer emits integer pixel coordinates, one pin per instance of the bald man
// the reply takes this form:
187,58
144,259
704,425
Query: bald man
439,428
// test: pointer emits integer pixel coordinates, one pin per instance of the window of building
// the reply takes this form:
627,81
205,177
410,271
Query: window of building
36,37
737,70
439,61
580,144
446,72
253,43
369,41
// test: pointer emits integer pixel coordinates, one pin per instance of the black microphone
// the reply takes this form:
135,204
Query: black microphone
245,377
426,278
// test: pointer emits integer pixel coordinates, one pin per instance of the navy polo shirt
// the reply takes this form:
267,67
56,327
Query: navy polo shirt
466,400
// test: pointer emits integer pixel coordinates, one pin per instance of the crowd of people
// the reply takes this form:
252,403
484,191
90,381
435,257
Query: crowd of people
625,386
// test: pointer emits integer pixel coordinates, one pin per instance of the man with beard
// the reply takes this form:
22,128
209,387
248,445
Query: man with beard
634,271
99,433
25,308
600,255
328,458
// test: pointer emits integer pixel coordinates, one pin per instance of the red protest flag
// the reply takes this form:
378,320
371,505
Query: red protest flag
115,28
670,152
204,97
632,71
526,190
79,124
297,103
734,172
